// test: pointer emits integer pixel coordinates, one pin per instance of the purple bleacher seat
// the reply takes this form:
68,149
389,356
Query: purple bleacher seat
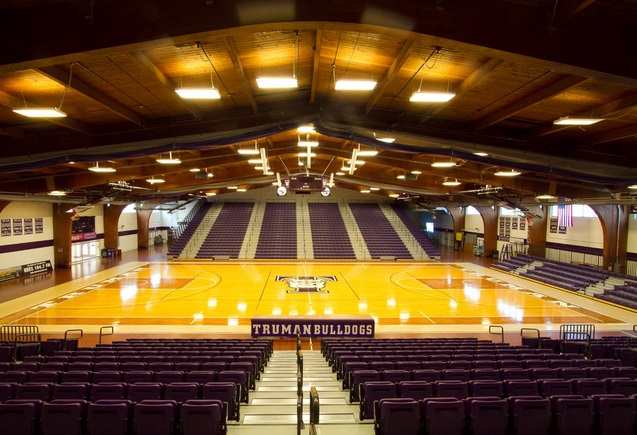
599,372
238,377
623,386
615,414
181,391
63,417
202,417
442,416
487,415
551,387
520,387
486,388
144,391
45,376
451,388
138,376
572,414
168,376
106,376
485,374
395,376
417,390
34,390
456,374
588,386
530,415
107,390
155,417
397,416
227,392
18,418
71,390
109,417
370,392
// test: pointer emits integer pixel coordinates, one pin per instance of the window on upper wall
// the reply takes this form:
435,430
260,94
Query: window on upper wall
504,211
470,210
579,210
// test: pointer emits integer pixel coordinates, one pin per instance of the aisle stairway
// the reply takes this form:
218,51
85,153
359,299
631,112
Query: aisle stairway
272,406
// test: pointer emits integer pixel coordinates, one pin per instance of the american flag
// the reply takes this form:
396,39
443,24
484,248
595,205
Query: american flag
564,214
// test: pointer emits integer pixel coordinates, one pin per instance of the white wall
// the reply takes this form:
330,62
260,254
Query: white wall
632,233
27,210
127,222
584,232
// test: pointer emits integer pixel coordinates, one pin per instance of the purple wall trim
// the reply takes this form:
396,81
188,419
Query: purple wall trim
575,248
26,246
127,233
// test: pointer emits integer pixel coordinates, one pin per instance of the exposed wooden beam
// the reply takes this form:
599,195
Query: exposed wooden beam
558,87
163,80
565,14
62,77
13,132
234,57
315,63
475,78
403,55
609,136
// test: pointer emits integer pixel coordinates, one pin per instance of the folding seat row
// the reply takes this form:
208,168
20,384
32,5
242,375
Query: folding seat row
113,417
163,376
491,387
227,392
520,415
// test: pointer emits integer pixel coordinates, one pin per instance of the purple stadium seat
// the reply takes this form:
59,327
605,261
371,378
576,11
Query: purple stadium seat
442,416
486,388
18,418
600,372
106,417
571,373
40,391
7,391
374,391
180,392
135,376
107,390
200,376
551,387
71,390
45,377
572,415
452,388
395,376
238,377
106,376
456,375
202,417
615,414
428,375
62,418
485,374
168,376
487,415
530,415
359,377
227,392
416,390
588,386
144,391
155,417
624,386
397,416
520,387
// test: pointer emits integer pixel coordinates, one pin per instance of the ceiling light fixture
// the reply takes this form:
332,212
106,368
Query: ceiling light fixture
416,172
421,96
200,93
633,186
250,151
194,170
367,153
480,154
374,188
365,191
57,193
168,161
46,112
576,120
400,176
355,85
308,143
451,183
101,169
546,196
153,180
283,82
306,129
511,173
443,164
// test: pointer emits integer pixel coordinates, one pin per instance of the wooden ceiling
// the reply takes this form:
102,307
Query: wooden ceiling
516,66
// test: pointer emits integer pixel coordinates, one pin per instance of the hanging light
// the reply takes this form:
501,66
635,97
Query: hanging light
451,183
168,161
576,120
46,112
201,93
283,82
355,85
443,164
544,196
421,96
57,193
511,173
101,169
250,151
153,180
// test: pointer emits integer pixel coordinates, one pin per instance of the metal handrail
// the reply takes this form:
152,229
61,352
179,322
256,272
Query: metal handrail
500,329
81,331
102,329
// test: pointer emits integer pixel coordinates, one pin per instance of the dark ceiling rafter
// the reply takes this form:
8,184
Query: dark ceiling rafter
234,57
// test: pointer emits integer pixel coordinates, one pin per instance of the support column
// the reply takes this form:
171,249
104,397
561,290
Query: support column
111,225
143,219
490,219
62,235
614,220
458,217
537,230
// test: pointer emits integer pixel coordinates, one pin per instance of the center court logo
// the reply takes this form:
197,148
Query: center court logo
306,284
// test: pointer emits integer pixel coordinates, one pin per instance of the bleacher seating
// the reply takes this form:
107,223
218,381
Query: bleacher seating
329,235
278,237
226,236
178,245
380,237
625,295
417,232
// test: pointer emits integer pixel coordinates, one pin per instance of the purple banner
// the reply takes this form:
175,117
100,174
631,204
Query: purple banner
314,327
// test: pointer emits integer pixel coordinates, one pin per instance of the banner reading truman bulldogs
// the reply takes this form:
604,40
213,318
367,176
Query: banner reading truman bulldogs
313,327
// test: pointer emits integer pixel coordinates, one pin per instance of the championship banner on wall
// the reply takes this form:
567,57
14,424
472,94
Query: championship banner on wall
351,327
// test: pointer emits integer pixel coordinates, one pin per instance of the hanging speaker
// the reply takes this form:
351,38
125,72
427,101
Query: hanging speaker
411,177
201,175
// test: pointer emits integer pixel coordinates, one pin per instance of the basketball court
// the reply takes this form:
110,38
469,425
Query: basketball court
222,297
